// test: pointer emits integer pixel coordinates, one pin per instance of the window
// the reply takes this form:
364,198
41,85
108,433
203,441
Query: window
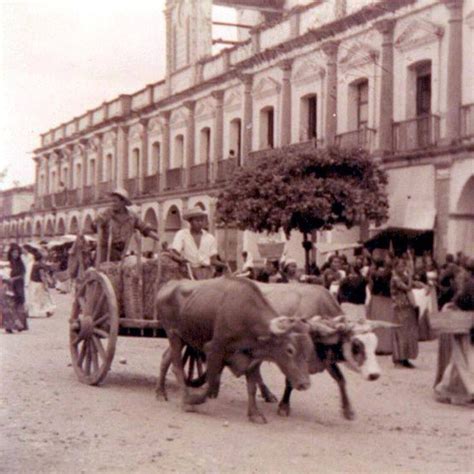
108,172
52,184
78,180
134,172
235,138
178,155
267,128
156,157
362,104
309,116
205,145
66,177
91,172
423,90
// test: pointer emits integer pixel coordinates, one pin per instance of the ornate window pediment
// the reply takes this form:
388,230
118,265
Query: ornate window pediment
266,87
417,33
205,109
358,54
234,97
178,117
469,20
109,139
154,125
309,71
136,133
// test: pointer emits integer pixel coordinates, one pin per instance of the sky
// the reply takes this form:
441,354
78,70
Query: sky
61,58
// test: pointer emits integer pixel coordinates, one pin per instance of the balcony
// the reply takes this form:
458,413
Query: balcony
72,197
104,189
415,134
467,121
199,175
131,185
362,138
174,178
60,198
225,169
47,201
151,184
88,195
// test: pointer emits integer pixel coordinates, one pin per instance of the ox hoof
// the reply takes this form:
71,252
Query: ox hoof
213,392
269,397
258,418
189,408
161,394
349,415
284,410
196,398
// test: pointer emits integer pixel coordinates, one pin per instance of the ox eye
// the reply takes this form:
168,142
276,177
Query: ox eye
356,348
290,350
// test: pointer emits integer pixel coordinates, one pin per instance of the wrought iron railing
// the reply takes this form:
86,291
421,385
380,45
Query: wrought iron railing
88,194
225,169
151,184
199,175
104,189
174,178
47,201
72,197
364,138
60,198
131,185
417,133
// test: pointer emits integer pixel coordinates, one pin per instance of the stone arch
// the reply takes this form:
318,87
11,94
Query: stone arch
21,229
463,219
150,217
28,229
74,225
61,227
173,223
13,229
49,231
87,224
38,229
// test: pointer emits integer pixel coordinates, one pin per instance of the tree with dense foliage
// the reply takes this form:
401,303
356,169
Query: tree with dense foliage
305,190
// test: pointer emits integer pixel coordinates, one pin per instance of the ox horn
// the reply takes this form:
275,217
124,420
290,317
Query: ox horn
281,325
377,323
323,327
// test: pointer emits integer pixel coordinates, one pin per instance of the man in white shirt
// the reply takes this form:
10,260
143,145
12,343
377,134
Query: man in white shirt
197,246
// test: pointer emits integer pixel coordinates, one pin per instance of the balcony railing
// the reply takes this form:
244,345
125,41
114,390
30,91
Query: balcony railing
72,198
174,178
225,168
47,201
467,121
131,185
417,133
88,194
151,184
199,175
104,189
60,198
362,138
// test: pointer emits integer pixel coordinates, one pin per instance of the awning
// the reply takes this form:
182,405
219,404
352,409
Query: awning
400,239
336,247
414,214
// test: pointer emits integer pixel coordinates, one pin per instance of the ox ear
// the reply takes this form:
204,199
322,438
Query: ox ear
281,325
377,323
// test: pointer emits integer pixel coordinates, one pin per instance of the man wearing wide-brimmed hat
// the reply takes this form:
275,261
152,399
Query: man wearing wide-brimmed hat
116,226
197,246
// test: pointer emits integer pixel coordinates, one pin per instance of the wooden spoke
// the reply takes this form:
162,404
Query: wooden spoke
101,320
82,354
200,369
97,310
94,356
98,347
101,333
76,340
187,353
191,368
82,304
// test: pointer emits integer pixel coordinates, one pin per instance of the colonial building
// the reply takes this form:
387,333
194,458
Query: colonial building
394,77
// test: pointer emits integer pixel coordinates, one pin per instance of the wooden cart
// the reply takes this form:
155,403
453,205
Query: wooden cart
100,314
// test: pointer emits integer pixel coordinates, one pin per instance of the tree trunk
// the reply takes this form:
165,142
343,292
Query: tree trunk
307,249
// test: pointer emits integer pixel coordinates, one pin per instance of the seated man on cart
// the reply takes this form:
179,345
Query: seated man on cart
116,226
196,246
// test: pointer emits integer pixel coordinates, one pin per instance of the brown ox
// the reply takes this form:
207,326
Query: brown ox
233,324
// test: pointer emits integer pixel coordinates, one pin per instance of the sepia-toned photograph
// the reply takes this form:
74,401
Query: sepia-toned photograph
237,236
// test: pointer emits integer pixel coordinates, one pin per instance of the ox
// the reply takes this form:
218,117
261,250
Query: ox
234,325
337,338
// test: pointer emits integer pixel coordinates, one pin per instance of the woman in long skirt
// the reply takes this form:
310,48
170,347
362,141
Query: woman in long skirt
41,303
405,337
17,285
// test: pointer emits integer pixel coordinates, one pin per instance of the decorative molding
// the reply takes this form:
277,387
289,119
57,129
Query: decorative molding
135,134
178,116
155,125
234,97
309,71
205,108
358,54
417,33
109,139
266,87
469,19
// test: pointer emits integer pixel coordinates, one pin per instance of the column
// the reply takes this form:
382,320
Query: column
122,154
330,49
285,129
84,144
71,167
46,174
165,147
386,28
189,156
169,50
99,166
37,177
144,155
442,187
454,76
218,133
247,80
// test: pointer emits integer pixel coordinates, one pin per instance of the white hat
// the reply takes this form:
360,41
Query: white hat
195,211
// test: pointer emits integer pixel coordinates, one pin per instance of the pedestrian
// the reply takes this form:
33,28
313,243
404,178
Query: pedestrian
17,282
41,303
353,292
405,337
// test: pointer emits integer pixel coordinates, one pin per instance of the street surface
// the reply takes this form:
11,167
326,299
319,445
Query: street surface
52,423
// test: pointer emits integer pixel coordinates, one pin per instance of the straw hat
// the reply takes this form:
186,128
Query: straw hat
195,211
122,193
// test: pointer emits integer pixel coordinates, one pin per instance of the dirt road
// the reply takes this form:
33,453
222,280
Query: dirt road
52,423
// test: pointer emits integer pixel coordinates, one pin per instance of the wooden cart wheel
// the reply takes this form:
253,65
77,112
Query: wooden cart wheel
93,328
194,364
